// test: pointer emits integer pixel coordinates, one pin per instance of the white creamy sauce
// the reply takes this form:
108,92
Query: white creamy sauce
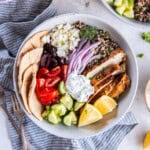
79,87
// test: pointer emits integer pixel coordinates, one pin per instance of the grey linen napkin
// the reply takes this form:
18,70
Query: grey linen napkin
17,19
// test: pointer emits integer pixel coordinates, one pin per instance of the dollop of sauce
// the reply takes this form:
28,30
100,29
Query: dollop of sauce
79,87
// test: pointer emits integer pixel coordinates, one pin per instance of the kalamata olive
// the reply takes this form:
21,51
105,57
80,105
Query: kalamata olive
61,60
54,62
47,46
45,60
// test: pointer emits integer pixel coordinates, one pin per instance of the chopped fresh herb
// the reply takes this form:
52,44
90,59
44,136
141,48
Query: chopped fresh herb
140,55
88,32
146,36
62,43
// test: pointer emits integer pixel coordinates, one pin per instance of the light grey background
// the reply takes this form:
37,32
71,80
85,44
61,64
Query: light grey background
134,139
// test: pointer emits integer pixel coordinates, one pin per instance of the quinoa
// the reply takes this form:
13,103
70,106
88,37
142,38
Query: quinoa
142,10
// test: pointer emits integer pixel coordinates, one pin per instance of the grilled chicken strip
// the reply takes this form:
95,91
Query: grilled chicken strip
100,87
121,86
115,57
107,72
115,88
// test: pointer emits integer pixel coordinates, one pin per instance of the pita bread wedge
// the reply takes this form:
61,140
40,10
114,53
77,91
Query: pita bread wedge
33,102
24,90
34,42
31,57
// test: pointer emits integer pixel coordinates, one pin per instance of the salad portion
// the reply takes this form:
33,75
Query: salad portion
73,74
132,9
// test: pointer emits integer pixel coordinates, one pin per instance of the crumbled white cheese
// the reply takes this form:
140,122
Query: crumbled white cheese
79,87
65,37
46,39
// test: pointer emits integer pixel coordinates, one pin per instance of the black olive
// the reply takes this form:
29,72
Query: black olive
45,60
47,46
54,63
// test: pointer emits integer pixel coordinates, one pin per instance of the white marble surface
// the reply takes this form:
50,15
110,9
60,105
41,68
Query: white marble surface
134,140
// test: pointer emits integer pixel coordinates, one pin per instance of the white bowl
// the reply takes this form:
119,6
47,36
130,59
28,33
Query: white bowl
126,100
132,22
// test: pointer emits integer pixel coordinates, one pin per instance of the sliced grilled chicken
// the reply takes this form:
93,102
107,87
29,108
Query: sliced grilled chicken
100,87
121,86
116,57
107,72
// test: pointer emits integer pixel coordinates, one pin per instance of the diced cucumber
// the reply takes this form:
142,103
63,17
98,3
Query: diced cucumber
53,118
131,3
67,101
45,114
61,88
129,13
71,118
78,105
74,117
47,107
125,3
118,3
120,10
59,109
110,1
67,120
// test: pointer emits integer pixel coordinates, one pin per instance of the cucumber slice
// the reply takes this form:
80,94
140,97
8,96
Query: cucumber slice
120,10
78,105
129,13
67,101
118,3
53,118
45,114
59,109
61,88
47,107
71,118
131,3
67,120
110,1
74,117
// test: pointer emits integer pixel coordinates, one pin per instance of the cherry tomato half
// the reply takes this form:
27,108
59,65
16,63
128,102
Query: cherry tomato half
47,98
51,82
64,72
42,73
54,72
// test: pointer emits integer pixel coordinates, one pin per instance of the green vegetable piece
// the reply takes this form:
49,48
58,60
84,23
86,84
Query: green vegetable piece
131,3
141,55
118,3
53,118
67,101
89,33
129,13
61,88
45,114
59,109
67,120
146,36
120,10
74,117
110,1
48,107
78,105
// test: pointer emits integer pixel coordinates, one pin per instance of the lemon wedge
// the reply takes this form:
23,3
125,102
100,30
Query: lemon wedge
105,104
146,145
147,95
89,115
